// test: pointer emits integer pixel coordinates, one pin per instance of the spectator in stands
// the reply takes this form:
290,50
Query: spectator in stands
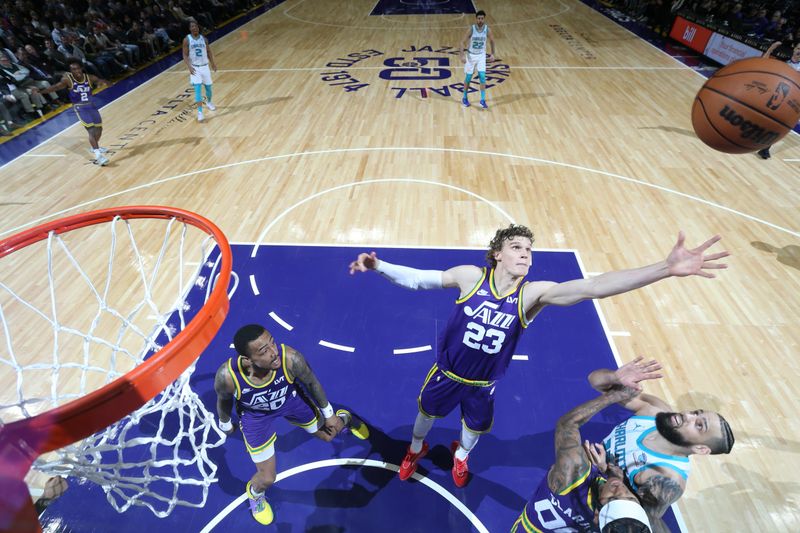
147,41
19,76
57,58
42,77
105,60
736,17
70,48
760,22
56,34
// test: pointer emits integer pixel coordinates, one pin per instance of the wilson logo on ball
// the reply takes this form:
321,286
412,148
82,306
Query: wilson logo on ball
748,130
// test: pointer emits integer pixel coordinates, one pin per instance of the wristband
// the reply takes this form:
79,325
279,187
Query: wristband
226,426
327,411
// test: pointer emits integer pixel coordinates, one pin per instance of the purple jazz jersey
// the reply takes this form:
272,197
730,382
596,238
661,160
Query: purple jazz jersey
482,333
259,405
572,509
80,94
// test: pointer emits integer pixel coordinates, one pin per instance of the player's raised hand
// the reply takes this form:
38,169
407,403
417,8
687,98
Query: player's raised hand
596,453
364,262
695,262
633,372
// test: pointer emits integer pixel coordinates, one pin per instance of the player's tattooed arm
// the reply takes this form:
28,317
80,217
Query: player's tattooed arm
223,386
657,493
571,460
299,369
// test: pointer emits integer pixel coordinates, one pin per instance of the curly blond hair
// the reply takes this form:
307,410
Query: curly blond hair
502,235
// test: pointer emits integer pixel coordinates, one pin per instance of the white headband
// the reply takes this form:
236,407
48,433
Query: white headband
617,509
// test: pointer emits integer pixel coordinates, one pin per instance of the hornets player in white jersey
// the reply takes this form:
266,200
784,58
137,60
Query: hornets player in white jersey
264,380
198,57
494,308
653,446
473,55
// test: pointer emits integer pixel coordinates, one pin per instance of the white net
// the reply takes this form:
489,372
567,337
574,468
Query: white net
81,309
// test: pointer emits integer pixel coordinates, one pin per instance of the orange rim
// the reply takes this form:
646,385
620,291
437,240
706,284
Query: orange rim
24,440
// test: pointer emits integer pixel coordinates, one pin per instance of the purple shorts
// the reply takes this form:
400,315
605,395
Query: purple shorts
441,394
257,429
89,116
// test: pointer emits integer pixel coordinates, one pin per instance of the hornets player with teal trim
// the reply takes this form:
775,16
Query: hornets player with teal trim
264,382
582,492
494,307
198,56
473,55
653,447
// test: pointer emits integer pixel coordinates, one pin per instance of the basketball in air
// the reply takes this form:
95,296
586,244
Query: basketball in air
747,105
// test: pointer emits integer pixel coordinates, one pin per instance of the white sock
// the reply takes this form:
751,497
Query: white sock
422,425
97,152
253,494
468,441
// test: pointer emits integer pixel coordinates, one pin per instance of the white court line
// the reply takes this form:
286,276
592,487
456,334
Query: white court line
602,317
620,333
401,246
353,461
417,349
253,284
43,155
366,182
410,27
519,357
399,149
280,321
337,346
383,67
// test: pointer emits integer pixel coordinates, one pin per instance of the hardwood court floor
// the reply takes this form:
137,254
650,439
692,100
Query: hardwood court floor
588,141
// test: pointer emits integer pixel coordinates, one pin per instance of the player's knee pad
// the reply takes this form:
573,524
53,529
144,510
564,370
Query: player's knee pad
198,95
482,77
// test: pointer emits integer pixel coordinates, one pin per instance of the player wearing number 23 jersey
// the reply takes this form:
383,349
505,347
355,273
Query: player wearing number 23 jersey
494,307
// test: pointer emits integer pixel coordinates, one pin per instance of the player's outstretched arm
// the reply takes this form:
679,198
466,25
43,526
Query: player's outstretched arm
98,81
628,376
299,369
571,459
223,386
680,262
771,49
62,84
465,276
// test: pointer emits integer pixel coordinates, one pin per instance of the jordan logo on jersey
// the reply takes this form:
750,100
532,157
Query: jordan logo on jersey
487,314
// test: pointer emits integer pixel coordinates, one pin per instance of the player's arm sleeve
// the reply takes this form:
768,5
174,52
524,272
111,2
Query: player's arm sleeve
410,278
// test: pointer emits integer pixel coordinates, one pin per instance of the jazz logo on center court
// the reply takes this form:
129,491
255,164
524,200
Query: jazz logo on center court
415,70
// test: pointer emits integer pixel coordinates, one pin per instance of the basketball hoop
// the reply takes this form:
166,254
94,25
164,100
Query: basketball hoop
146,322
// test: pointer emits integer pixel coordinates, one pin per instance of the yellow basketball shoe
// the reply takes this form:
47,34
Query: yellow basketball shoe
260,508
356,426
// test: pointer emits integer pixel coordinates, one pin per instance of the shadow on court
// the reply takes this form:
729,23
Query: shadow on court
789,255
248,106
